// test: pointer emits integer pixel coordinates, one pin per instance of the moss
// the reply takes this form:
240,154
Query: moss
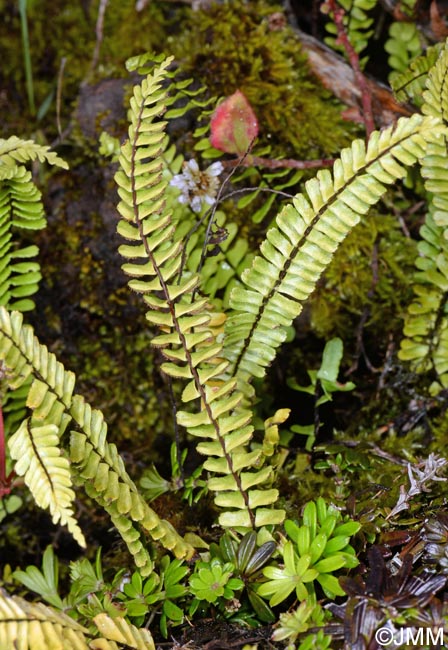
371,272
70,34
235,45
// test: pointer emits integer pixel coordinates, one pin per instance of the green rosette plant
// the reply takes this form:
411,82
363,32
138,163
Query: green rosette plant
315,550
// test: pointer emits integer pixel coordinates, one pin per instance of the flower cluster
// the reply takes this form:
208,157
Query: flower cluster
197,187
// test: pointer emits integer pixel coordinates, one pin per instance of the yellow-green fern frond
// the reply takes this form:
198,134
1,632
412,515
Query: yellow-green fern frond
306,236
426,325
34,626
187,323
95,463
434,163
46,472
123,633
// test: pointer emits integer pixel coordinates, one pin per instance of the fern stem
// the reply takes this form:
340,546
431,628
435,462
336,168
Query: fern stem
286,163
2,454
27,56
171,307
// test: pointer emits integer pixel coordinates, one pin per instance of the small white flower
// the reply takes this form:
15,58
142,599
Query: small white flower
197,187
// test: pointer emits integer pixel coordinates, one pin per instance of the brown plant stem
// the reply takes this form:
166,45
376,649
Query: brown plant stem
5,481
286,163
353,58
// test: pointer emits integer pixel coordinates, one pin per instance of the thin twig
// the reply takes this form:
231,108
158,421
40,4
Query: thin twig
59,95
286,163
364,316
240,162
99,31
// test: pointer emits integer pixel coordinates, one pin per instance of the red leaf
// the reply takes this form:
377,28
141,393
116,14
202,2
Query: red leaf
233,125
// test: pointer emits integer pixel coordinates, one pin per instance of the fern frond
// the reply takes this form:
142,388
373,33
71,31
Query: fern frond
434,163
46,472
307,234
20,207
358,24
95,463
403,45
408,85
34,626
124,633
187,323
426,326
15,150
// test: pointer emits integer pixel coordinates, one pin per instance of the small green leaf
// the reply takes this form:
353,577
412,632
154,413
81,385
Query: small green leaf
330,564
172,611
262,610
331,360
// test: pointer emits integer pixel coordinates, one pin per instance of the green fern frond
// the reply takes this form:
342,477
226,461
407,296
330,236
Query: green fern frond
188,325
34,626
307,234
403,45
95,463
426,326
20,207
408,85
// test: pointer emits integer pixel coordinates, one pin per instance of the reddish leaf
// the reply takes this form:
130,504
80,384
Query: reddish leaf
233,125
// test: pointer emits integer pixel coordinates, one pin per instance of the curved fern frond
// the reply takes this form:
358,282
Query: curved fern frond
34,626
46,472
125,634
408,85
188,326
14,150
20,207
426,326
307,234
95,463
